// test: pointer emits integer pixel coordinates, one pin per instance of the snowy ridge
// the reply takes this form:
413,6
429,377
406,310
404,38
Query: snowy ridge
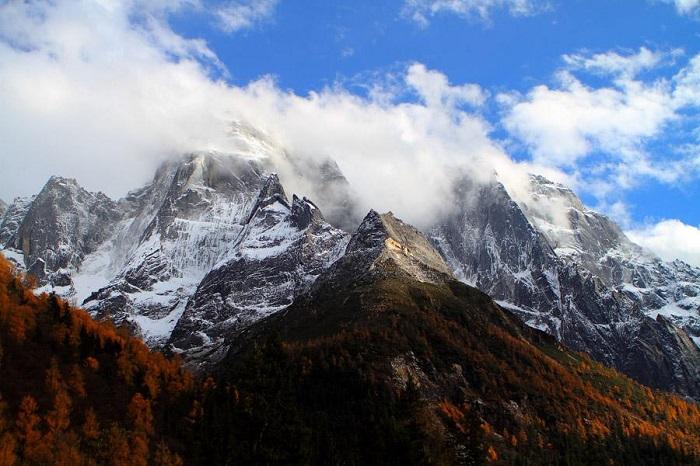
281,251
604,253
571,272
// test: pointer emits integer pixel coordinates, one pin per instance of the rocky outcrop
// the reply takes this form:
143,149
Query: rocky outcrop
59,227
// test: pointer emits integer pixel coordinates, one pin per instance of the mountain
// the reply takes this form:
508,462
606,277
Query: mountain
282,249
202,219
391,361
213,243
597,244
63,224
388,359
571,272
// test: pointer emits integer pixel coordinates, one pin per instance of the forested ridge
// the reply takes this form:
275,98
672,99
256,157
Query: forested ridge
393,372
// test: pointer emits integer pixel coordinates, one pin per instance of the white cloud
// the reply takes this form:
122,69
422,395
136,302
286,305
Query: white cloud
561,125
685,7
615,64
91,94
687,81
244,14
434,89
421,11
670,239
600,135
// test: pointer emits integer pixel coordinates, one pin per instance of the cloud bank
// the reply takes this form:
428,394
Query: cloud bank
104,91
94,92
670,239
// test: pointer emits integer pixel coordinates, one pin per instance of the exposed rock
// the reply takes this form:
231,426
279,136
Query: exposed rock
583,282
280,252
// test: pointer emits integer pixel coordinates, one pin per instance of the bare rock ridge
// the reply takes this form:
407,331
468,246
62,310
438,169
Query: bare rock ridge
385,245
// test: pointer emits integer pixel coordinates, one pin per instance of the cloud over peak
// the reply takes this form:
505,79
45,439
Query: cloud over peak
103,91
670,239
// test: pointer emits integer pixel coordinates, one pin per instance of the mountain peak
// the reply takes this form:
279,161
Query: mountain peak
383,243
55,180
271,192
304,212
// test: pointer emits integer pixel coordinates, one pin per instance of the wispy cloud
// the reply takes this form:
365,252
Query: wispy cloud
601,134
237,15
670,239
685,7
616,64
422,11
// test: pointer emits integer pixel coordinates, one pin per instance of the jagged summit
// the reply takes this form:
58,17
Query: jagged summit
385,245
61,225
277,256
270,193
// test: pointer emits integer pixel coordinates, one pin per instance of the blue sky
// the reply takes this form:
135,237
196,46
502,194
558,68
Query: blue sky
307,45
600,95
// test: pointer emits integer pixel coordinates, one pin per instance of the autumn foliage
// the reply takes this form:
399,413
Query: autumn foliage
386,373
74,391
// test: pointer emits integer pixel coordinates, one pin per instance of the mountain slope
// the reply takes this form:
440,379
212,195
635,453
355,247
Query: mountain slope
586,284
372,366
73,391
383,363
283,247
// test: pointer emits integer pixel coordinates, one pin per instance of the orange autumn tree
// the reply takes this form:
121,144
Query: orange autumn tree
70,385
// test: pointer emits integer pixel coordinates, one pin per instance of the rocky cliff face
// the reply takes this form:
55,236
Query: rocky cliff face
572,273
59,227
9,226
281,250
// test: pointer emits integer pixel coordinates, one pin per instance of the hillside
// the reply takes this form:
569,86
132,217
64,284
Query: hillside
382,363
73,391
377,369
